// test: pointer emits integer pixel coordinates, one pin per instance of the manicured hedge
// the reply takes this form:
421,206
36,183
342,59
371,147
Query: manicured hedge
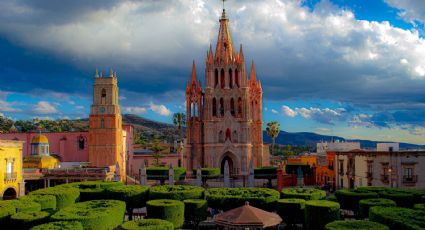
208,172
366,204
349,199
291,210
95,214
419,207
60,225
229,198
87,194
318,213
303,193
355,225
93,190
147,224
170,210
332,198
27,220
176,192
398,218
134,196
65,196
23,205
268,172
376,189
195,210
161,173
47,202
403,198
6,210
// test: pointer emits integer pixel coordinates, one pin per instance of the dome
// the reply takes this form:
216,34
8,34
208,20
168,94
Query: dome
40,139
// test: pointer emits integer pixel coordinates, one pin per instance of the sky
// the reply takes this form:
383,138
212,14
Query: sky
352,68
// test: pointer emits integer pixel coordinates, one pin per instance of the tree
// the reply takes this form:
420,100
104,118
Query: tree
179,120
157,148
273,129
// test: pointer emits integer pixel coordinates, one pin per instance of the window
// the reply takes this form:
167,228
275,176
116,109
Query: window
341,167
81,142
240,107
235,136
9,168
237,78
408,172
216,78
222,79
102,123
232,107
228,135
221,137
221,107
230,79
214,107
103,97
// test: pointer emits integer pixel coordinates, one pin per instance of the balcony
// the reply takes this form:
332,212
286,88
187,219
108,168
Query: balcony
410,180
385,178
10,176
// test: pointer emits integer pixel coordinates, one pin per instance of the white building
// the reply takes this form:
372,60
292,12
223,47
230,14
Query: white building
387,147
336,146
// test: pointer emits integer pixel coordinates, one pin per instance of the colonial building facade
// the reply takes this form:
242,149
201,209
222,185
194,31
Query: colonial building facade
224,119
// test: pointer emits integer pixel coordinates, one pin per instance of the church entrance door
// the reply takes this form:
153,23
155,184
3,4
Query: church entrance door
230,162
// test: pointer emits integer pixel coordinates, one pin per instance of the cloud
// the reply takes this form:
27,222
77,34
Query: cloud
160,109
288,111
44,107
412,11
135,110
79,107
275,111
1,114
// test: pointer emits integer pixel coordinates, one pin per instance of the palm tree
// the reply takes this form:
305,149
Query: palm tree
273,129
179,120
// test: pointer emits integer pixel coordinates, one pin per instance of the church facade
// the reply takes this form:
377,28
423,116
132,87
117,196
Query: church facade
224,118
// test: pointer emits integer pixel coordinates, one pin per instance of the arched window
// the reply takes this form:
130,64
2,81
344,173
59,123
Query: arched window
214,107
220,137
232,107
222,78
240,107
228,135
252,110
102,123
237,78
221,107
81,142
216,78
230,78
103,97
192,110
235,136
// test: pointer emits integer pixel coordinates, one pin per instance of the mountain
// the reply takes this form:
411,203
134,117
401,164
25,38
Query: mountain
310,139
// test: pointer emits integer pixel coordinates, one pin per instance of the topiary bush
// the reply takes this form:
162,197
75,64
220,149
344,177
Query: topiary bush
229,198
398,218
161,173
195,211
27,220
60,225
376,189
332,198
355,225
208,173
23,205
170,210
95,214
134,196
403,197
176,192
419,207
65,196
318,213
349,199
47,202
6,211
365,204
291,210
303,193
93,190
147,224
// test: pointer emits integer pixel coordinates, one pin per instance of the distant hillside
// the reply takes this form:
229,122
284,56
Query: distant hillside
310,139
148,128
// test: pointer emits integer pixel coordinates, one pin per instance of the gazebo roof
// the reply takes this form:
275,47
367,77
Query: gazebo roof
248,216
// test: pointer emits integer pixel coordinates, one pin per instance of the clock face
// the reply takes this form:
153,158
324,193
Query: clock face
102,109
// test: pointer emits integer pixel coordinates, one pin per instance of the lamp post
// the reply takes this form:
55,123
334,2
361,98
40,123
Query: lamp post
390,177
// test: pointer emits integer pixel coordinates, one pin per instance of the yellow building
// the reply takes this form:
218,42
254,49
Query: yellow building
40,157
11,181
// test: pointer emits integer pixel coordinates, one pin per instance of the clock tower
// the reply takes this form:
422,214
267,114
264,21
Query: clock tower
105,125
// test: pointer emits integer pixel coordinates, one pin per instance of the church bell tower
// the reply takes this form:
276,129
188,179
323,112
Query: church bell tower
105,125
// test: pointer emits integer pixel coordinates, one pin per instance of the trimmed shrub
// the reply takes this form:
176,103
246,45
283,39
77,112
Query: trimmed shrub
208,173
170,210
95,214
176,192
65,196
403,197
419,207
93,190
332,198
148,224
229,198
47,202
355,225
134,196
365,204
23,205
87,194
398,218
60,225
195,210
27,220
303,193
349,199
268,172
6,210
291,210
161,173
318,213
376,189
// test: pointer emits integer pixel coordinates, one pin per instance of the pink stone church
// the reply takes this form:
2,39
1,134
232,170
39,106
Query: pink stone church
224,119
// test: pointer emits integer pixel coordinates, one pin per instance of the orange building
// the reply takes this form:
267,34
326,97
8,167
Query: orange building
325,170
